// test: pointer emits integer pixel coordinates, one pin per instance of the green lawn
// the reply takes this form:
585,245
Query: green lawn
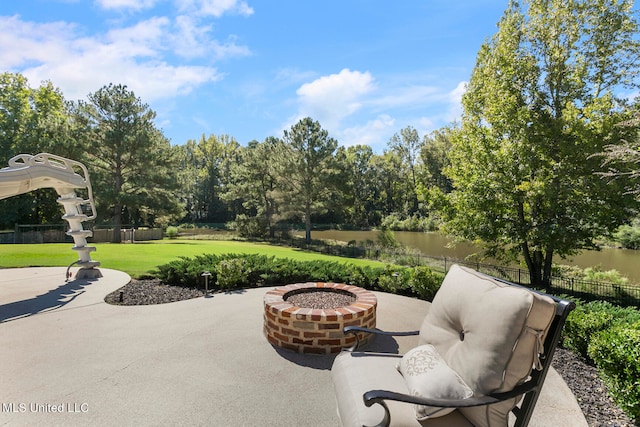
139,258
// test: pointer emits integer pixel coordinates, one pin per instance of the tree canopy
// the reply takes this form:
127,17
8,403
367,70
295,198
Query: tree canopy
133,165
307,170
540,103
33,120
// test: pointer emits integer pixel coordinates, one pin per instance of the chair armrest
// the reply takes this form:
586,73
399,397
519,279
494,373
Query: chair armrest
354,329
379,396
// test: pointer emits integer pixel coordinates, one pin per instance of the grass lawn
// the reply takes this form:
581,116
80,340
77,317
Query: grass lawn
139,258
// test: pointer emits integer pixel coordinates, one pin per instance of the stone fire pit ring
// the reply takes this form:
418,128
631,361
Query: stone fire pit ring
316,331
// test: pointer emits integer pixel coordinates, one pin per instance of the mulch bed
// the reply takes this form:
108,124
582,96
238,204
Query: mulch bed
590,391
582,378
149,292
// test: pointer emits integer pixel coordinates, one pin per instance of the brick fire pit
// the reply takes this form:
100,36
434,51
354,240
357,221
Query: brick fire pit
318,331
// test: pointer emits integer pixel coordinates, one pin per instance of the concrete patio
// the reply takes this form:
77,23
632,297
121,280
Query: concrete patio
68,358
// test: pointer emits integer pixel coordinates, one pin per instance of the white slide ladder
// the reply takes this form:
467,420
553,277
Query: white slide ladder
26,173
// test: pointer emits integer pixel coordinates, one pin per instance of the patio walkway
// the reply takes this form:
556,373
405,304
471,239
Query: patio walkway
68,358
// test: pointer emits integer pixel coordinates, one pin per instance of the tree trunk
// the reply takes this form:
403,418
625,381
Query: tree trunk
117,224
534,265
117,207
307,223
546,273
307,232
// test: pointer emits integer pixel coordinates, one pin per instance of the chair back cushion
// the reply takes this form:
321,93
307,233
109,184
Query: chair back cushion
490,333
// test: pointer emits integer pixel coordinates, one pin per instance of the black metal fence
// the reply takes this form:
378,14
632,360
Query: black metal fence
619,294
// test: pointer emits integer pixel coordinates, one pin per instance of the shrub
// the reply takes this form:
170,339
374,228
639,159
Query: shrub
610,276
172,232
581,325
386,239
589,319
424,282
364,277
394,280
616,352
232,273
411,223
248,226
235,271
628,236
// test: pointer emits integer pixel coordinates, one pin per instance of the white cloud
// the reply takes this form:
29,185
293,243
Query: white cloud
215,8
191,40
371,133
142,39
329,99
288,76
455,102
425,125
126,4
134,55
25,42
409,96
344,103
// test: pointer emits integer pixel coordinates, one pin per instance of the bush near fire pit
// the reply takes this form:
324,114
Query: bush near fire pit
234,271
421,282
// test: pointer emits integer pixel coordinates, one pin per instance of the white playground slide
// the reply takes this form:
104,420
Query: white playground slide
27,173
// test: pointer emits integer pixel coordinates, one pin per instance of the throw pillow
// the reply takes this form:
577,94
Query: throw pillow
427,375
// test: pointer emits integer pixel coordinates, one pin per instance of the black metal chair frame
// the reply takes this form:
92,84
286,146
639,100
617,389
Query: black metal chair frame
530,388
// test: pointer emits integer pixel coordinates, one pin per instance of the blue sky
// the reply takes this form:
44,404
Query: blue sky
250,69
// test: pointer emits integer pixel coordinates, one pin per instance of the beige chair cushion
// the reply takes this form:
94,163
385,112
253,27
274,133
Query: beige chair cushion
488,332
354,374
428,375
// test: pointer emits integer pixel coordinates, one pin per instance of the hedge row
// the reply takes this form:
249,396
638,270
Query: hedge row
609,337
233,271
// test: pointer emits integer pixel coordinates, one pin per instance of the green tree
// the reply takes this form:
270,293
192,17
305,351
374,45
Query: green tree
406,145
387,169
621,160
358,185
134,168
253,184
188,177
15,113
539,104
33,120
307,171
212,157
434,158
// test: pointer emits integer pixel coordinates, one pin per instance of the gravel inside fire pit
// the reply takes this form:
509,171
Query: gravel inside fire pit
321,299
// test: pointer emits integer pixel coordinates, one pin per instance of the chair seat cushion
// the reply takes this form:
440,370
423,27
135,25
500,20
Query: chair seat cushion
427,375
355,373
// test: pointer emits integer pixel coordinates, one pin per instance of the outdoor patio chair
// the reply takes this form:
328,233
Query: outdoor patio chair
485,347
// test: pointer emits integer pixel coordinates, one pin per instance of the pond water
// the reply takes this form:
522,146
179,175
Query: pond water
626,261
